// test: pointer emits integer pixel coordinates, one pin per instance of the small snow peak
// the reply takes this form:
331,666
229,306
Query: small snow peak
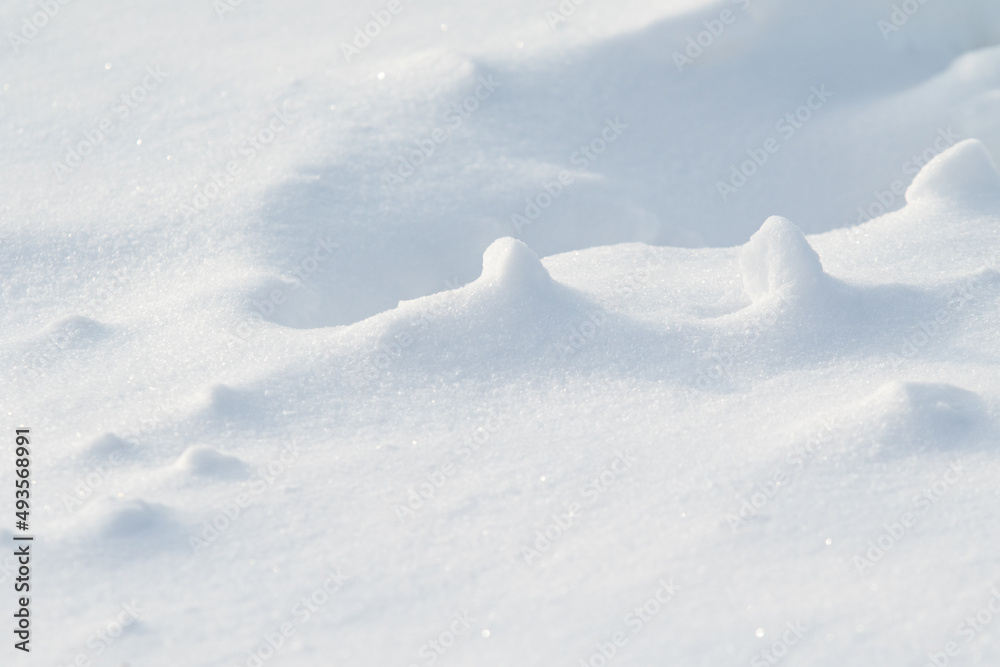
125,519
777,260
107,446
76,331
224,399
207,462
911,414
509,262
965,173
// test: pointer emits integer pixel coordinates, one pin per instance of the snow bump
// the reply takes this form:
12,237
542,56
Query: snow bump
128,519
510,264
224,402
207,462
75,331
963,174
922,414
107,446
778,261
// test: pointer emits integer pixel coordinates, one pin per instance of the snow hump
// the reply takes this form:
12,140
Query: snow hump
964,173
510,264
779,260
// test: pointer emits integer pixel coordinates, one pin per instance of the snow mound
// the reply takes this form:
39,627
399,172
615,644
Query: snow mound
513,314
224,402
965,174
53,344
75,331
204,461
907,415
778,261
511,265
106,446
128,519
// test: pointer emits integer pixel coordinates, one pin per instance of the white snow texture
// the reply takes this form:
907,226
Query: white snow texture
593,334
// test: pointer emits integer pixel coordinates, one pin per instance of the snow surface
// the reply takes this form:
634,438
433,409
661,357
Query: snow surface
519,402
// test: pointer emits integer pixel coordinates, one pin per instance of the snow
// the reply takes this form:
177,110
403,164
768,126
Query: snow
528,334
964,176
778,261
